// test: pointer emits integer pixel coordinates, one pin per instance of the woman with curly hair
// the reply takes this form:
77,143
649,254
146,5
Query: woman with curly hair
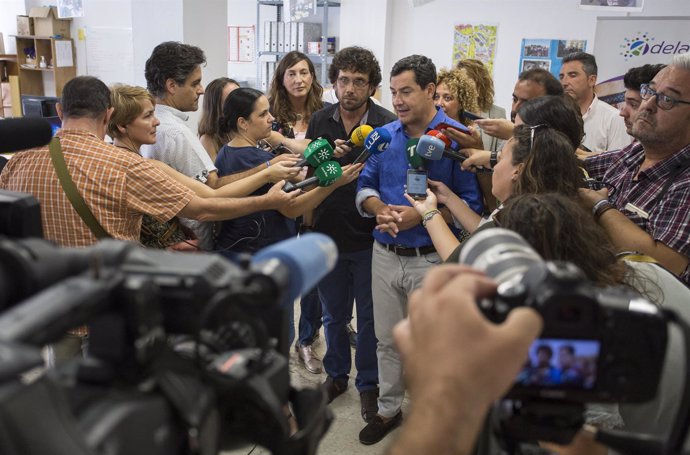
479,73
455,93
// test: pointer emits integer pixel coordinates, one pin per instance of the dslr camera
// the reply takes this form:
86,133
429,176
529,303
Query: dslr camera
598,345
618,338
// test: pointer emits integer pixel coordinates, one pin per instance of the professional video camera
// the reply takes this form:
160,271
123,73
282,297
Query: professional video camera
617,338
187,352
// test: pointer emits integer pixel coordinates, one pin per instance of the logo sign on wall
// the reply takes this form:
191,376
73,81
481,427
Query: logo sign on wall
622,43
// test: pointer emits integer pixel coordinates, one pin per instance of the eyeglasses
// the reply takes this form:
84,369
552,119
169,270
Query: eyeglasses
357,83
664,102
532,129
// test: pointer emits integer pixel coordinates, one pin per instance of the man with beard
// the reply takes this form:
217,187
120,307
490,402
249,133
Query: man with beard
645,206
604,129
355,74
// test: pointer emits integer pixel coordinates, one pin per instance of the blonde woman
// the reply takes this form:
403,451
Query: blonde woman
133,123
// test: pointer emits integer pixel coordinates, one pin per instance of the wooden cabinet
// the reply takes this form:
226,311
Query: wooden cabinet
59,57
9,71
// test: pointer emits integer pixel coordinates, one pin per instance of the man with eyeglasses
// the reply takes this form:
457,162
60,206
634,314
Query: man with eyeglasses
633,80
646,205
355,75
604,129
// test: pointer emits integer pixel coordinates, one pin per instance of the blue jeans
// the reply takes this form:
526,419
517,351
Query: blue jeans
310,317
350,278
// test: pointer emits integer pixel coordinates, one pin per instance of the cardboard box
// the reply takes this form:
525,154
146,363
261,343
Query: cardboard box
46,22
25,26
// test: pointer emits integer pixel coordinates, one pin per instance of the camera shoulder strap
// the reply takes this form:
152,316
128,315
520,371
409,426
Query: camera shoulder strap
72,192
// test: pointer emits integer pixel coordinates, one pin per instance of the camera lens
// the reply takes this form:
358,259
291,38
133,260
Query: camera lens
500,253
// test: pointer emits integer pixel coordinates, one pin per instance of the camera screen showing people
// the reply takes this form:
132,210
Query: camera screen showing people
561,363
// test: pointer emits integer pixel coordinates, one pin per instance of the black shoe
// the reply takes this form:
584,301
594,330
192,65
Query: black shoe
369,401
352,334
377,429
334,387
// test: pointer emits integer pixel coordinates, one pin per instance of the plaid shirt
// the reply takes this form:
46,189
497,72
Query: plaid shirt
118,186
666,219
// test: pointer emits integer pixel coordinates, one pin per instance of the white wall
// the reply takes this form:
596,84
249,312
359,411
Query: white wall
428,29
153,21
390,28
243,13
205,26
9,10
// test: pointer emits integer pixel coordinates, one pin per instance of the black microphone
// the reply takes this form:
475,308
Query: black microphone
24,133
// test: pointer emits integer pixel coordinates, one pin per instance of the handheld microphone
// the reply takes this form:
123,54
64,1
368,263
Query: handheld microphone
24,133
359,135
415,160
325,175
317,152
440,135
376,142
306,259
454,154
433,148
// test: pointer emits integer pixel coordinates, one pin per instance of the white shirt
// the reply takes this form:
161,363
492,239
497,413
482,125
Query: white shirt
177,146
604,128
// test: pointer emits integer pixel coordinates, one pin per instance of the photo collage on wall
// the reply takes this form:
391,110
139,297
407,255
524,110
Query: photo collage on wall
477,41
547,53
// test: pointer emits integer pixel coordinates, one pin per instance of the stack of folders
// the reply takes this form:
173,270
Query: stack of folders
281,36
285,37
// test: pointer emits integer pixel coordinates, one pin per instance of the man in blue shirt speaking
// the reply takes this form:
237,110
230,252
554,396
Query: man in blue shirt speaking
403,251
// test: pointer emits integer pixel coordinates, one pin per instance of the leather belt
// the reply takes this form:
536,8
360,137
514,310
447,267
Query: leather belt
408,251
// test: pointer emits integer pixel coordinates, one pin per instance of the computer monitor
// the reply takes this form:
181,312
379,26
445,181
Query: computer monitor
39,106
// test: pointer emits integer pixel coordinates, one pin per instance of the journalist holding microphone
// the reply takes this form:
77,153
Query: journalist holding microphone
403,251
246,115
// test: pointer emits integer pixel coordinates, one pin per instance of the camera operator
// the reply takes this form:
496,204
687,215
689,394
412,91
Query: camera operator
451,389
118,186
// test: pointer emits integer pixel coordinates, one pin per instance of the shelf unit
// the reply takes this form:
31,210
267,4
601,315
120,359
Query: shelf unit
31,77
323,58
